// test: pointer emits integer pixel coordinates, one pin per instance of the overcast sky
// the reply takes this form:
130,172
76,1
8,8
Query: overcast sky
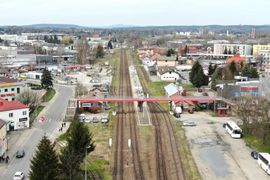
135,12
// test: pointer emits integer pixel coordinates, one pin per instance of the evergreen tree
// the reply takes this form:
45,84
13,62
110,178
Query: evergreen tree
110,46
44,165
100,52
225,51
197,76
170,52
210,69
46,79
79,141
217,75
250,72
186,50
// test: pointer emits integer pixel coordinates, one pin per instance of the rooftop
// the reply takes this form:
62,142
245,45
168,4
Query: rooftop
166,58
7,80
10,105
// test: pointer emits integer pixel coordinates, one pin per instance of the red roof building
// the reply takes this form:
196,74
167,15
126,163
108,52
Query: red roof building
236,58
11,105
15,114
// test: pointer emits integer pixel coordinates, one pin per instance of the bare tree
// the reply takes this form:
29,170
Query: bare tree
82,50
29,98
254,112
80,90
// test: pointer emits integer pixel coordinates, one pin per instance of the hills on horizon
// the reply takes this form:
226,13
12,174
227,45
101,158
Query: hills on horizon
115,26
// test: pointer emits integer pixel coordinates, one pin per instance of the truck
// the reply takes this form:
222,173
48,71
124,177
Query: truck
177,112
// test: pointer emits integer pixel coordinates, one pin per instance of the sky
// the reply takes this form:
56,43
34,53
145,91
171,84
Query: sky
134,12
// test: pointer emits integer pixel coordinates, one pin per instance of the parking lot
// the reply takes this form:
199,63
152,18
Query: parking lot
217,155
94,118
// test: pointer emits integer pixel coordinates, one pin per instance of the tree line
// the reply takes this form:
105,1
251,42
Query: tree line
226,73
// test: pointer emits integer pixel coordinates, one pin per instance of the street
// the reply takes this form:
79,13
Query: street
29,138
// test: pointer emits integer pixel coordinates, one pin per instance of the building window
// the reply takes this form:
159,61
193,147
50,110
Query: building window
24,113
12,89
18,90
13,99
6,90
10,115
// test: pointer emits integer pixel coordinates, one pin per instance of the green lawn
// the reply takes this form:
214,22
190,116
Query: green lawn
48,95
36,112
254,143
157,88
62,137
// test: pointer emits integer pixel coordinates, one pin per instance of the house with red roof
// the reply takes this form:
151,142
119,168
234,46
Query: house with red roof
15,114
236,58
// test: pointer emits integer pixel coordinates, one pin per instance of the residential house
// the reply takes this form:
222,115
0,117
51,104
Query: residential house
3,138
170,61
15,114
168,74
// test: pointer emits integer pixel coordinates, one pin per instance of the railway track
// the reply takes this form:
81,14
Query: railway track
127,163
164,138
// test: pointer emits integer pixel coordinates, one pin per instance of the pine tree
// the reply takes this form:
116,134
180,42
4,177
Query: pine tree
170,52
225,51
44,165
197,76
186,50
79,140
210,69
46,79
110,46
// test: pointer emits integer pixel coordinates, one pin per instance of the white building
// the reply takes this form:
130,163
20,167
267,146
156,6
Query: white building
265,54
242,49
167,74
13,37
7,51
10,88
15,114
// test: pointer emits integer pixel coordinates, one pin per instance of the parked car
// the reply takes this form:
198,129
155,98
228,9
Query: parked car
20,153
104,120
18,176
82,117
254,154
95,120
87,120
189,123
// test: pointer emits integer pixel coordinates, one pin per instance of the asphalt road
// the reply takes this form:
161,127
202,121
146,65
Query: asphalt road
30,138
